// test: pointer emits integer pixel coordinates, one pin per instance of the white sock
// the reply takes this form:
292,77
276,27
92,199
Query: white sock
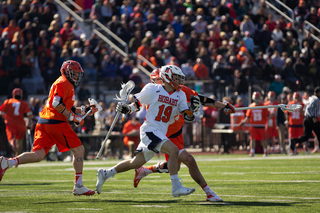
12,162
112,171
207,189
175,181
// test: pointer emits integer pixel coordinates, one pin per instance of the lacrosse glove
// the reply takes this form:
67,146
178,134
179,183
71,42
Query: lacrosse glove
195,103
123,108
85,109
75,118
229,108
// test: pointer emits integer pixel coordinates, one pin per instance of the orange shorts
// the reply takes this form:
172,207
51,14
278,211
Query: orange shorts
272,132
295,132
47,135
15,132
178,141
258,133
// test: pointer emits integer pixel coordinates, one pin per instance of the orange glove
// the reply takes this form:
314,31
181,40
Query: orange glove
93,108
75,118
229,108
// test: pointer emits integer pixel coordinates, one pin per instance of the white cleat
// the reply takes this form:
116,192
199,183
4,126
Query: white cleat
4,165
82,190
182,191
102,176
213,197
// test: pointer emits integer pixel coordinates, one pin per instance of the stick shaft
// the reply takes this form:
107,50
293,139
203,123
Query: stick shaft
257,107
108,134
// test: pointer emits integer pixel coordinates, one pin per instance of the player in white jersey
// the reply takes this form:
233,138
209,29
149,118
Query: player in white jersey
164,102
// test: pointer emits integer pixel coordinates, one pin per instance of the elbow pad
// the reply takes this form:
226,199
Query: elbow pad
187,119
58,104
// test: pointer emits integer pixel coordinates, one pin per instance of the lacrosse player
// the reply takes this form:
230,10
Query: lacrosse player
272,131
164,101
174,133
311,120
53,127
13,111
258,118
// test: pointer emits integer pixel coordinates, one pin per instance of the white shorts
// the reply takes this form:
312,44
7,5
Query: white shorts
151,143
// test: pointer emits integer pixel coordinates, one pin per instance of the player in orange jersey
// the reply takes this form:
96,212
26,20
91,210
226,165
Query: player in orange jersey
295,121
13,110
272,132
53,127
174,133
258,119
131,129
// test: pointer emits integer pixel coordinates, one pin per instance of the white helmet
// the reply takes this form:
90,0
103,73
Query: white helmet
172,75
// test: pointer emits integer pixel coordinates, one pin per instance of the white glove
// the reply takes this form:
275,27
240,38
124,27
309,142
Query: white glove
195,103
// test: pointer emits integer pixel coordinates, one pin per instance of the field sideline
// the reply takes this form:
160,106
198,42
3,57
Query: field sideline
277,183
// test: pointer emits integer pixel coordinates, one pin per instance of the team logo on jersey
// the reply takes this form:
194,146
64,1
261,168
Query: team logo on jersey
167,100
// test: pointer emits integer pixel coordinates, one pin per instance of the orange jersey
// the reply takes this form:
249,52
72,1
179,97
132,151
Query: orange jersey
178,119
296,117
14,111
257,116
64,89
128,127
272,111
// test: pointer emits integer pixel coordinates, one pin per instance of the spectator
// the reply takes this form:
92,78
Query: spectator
247,25
249,42
125,69
89,61
276,85
136,78
106,11
131,131
145,51
200,70
135,42
95,13
187,69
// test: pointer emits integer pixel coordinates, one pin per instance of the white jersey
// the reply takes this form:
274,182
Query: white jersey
162,106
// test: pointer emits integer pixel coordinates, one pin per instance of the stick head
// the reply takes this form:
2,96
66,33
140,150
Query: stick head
290,108
94,102
125,91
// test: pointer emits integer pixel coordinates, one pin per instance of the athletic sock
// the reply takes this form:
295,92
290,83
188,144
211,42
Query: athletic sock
148,169
207,189
13,162
78,179
175,181
112,171
252,151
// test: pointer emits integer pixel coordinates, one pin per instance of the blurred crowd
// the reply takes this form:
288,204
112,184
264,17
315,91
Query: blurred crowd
237,42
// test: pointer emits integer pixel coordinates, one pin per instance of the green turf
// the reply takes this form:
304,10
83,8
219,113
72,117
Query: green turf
277,183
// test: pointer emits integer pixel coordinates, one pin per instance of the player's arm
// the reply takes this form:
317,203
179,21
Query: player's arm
58,104
226,107
127,109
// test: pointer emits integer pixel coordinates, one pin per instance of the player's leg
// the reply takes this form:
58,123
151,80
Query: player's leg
186,158
281,133
26,157
252,147
142,172
125,165
316,145
79,188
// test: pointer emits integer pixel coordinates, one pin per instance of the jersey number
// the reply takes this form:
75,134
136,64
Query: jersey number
16,106
164,113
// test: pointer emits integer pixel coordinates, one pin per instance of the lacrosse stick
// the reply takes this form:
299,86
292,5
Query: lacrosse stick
29,139
283,107
92,102
123,97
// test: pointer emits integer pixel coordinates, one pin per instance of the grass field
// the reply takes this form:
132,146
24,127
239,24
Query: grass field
277,183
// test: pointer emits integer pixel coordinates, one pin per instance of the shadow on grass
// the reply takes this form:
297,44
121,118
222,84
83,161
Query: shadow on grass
129,202
26,184
244,203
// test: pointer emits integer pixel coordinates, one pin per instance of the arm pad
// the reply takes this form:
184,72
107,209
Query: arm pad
206,101
188,119
58,104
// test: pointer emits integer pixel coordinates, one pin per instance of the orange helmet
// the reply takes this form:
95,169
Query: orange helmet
256,96
271,95
72,70
296,96
17,93
155,76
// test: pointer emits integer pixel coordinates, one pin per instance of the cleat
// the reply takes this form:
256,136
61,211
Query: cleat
102,176
315,150
213,197
4,165
182,191
265,154
140,173
82,190
251,154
